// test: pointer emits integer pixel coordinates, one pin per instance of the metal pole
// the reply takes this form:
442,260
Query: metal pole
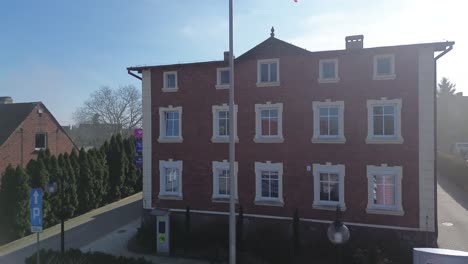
37,255
232,209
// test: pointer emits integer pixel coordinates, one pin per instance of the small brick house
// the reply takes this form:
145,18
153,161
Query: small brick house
353,128
26,128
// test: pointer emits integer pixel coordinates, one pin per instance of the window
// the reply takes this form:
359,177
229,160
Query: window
222,78
329,186
269,123
328,122
328,71
384,190
221,180
268,72
384,67
269,183
384,121
170,124
41,141
221,123
170,179
170,81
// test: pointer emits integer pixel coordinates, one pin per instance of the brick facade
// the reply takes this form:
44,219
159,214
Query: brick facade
19,148
299,87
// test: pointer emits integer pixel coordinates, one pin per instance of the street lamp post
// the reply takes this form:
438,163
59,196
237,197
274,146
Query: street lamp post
52,188
338,234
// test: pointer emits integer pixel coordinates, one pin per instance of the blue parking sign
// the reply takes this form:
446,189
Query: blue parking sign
35,204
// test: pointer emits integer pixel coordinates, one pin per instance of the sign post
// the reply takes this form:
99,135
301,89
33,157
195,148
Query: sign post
35,204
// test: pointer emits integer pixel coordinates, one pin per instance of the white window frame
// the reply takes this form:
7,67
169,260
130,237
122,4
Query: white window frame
216,138
317,138
223,165
397,172
268,166
322,79
45,141
170,89
383,139
389,76
218,78
162,125
329,168
259,138
163,165
259,73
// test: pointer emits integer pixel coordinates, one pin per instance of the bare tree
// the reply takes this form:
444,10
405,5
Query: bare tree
120,107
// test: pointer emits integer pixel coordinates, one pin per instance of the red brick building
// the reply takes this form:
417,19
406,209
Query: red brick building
27,128
353,128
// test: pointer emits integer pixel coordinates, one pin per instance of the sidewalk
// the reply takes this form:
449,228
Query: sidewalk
70,224
115,243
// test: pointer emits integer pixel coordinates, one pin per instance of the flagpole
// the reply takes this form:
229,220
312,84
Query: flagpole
232,209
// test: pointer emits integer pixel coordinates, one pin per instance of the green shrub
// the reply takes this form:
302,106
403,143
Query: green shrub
75,256
453,167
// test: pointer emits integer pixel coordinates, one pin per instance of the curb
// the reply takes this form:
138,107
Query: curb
69,224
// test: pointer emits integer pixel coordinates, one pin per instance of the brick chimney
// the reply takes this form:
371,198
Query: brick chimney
354,42
226,56
6,100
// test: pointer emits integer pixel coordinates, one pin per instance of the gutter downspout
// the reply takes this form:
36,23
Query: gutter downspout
143,214
134,75
447,50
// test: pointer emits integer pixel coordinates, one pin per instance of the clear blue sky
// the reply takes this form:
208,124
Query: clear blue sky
59,51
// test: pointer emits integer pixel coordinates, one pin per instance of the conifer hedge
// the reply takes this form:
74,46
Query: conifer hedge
90,180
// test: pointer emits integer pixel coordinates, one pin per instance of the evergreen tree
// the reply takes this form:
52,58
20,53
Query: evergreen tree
98,174
54,200
117,162
104,148
69,197
85,191
446,88
131,174
14,199
74,162
38,173
101,158
39,177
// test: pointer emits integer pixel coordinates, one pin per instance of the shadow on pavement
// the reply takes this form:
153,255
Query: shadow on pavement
454,190
84,234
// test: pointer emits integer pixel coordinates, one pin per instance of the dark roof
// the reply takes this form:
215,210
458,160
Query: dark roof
11,117
271,47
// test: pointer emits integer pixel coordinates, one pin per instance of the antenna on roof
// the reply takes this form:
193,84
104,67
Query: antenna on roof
272,34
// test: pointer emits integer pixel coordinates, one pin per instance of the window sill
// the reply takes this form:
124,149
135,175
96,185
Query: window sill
267,84
170,90
170,197
222,86
268,140
335,80
331,140
277,203
328,207
170,140
384,77
39,149
222,140
223,199
398,212
390,140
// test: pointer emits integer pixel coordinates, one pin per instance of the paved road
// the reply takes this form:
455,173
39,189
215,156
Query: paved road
84,234
453,215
